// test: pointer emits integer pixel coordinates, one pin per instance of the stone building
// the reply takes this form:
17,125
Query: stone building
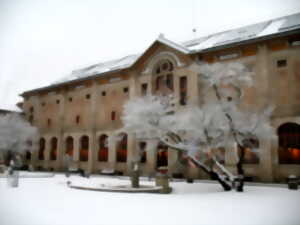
80,114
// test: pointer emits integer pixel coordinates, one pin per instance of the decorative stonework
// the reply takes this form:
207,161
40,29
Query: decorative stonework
160,56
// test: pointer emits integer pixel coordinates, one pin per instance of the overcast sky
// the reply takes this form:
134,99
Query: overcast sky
42,41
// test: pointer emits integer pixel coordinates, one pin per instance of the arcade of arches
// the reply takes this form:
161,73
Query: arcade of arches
288,148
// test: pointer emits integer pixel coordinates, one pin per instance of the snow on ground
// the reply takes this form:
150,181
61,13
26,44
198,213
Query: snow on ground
48,201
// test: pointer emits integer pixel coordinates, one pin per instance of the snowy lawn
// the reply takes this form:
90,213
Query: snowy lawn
48,201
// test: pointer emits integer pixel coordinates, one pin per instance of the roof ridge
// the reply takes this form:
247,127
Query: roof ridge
187,42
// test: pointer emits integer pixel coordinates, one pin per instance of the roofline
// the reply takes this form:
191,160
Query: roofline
160,39
170,43
249,41
71,82
165,41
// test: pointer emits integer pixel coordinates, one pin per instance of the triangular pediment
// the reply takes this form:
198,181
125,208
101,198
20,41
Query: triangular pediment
159,49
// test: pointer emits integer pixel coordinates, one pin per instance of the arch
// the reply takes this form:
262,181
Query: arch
42,145
53,148
69,146
122,148
162,155
163,55
289,143
103,148
84,148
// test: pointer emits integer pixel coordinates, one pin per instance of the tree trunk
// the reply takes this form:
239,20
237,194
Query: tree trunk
213,175
240,169
239,165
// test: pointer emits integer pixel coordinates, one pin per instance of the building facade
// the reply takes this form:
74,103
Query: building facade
81,115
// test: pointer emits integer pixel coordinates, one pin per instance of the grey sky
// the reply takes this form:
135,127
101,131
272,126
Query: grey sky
41,41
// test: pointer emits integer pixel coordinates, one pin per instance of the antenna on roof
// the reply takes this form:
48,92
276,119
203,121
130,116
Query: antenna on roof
194,32
194,19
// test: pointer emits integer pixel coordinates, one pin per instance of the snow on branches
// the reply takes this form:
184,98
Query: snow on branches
198,130
234,73
15,133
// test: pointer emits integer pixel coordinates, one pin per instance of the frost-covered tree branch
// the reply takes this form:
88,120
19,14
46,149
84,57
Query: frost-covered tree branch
15,133
198,131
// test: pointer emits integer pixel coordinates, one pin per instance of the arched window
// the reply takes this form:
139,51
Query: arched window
289,143
162,155
142,149
122,148
84,149
103,148
163,73
53,152
69,146
42,149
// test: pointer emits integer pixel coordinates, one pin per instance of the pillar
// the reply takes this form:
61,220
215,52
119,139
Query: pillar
132,150
151,150
92,152
76,146
111,151
265,159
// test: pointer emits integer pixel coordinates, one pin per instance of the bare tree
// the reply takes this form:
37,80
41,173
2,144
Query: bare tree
197,132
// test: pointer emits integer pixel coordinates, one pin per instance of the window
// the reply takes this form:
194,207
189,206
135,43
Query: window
49,122
164,77
183,90
84,149
103,93
57,101
125,90
31,109
113,115
88,96
289,143
162,156
69,146
122,148
77,119
281,63
42,149
103,148
144,89
70,99
43,103
53,152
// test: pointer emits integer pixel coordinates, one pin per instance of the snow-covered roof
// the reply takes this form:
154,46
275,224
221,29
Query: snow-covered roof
247,33
108,66
259,30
